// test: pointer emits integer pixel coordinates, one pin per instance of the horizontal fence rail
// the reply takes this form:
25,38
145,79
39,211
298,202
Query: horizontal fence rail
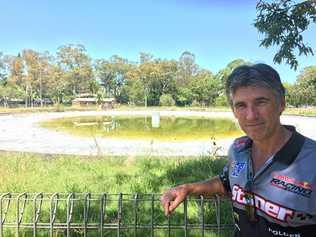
90,214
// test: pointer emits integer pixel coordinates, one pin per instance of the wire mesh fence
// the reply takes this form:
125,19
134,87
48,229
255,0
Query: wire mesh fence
89,214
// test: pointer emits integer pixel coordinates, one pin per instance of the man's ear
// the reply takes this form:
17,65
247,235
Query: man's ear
282,105
233,110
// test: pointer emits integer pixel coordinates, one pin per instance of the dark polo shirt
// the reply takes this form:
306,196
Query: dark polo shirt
283,190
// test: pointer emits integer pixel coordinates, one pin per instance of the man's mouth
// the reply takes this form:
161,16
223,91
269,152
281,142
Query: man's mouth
254,125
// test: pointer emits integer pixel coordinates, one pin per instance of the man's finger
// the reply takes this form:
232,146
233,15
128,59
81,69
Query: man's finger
165,200
173,205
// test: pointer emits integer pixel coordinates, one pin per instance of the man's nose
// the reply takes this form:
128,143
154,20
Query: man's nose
251,113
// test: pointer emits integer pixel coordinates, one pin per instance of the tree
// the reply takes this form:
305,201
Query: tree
305,87
57,86
74,61
145,57
186,68
150,74
205,88
33,74
223,74
8,91
282,22
3,74
112,74
18,76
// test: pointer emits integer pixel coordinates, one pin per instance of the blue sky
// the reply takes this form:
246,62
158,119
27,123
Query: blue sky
217,31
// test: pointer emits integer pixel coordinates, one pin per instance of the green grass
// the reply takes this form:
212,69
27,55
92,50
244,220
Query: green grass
27,172
311,111
51,108
301,111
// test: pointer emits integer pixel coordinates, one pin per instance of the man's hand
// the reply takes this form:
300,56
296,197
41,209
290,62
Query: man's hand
172,198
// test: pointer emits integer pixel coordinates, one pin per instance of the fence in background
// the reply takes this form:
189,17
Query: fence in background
87,214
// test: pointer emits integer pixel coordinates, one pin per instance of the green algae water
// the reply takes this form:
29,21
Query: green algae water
143,127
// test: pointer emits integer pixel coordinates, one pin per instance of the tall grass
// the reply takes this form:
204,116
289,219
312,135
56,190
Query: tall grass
27,172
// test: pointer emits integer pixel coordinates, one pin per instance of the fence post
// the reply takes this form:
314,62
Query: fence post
152,214
52,212
218,214
36,211
87,198
70,206
3,214
20,212
169,228
185,206
202,215
102,212
119,214
135,214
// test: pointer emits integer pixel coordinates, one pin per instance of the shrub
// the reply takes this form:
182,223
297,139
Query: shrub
166,100
221,101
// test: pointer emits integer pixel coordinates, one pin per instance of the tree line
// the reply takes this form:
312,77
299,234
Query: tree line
37,77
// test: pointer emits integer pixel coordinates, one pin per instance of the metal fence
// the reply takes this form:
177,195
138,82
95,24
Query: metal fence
87,214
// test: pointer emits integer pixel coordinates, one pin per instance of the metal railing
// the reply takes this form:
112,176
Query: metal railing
87,214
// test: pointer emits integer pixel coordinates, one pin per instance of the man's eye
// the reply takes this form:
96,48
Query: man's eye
261,102
239,106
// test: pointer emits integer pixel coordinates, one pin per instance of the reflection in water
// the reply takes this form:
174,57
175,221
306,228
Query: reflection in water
160,128
155,120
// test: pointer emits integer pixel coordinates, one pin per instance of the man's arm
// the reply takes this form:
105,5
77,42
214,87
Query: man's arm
172,198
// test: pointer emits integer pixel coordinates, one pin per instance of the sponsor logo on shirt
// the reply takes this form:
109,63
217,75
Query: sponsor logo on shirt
283,233
241,143
292,185
271,209
237,167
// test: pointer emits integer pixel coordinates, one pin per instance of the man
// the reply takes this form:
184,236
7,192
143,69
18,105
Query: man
270,175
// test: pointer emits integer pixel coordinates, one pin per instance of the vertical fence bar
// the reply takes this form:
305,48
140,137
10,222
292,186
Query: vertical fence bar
20,212
185,207
102,212
152,215
135,214
119,214
3,214
70,206
36,211
87,199
218,215
202,216
169,228
52,212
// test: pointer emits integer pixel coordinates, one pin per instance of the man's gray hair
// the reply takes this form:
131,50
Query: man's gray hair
258,75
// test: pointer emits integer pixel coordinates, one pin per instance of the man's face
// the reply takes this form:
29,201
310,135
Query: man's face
258,111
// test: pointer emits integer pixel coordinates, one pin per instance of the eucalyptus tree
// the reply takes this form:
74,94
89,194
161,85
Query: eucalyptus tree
150,75
168,70
205,88
57,86
17,76
76,66
112,74
9,91
186,68
36,67
3,72
145,57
